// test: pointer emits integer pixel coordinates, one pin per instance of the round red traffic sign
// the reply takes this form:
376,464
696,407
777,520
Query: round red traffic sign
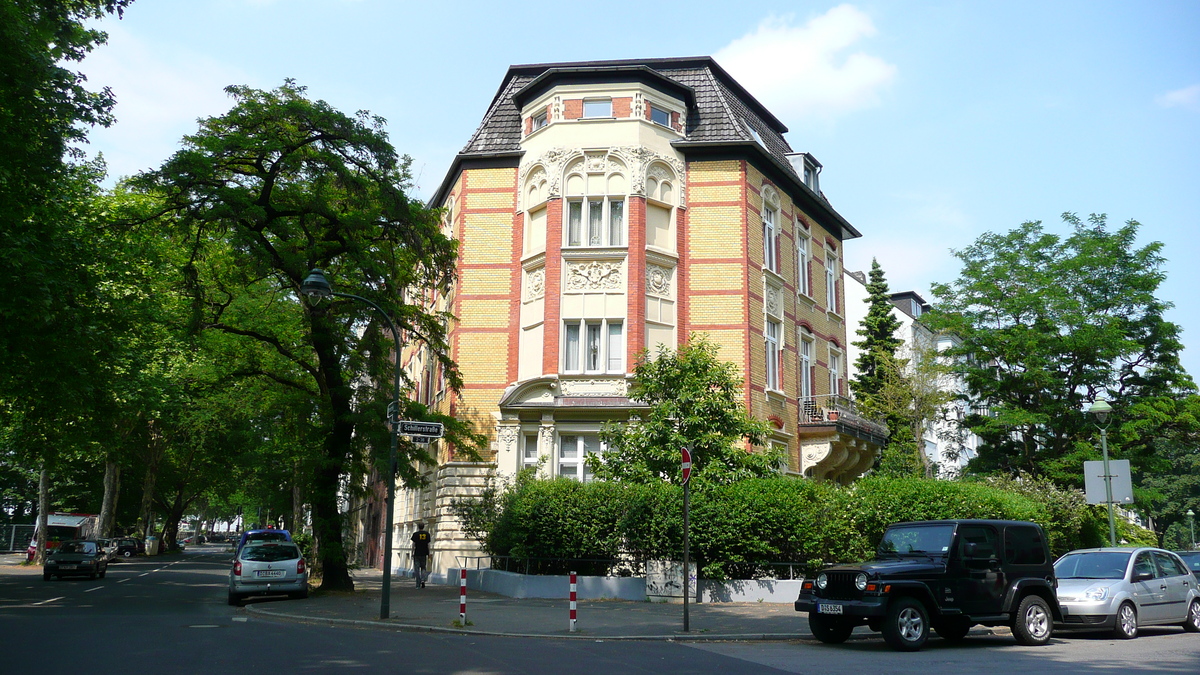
687,465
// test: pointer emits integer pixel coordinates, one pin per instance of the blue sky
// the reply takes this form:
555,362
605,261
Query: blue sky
935,121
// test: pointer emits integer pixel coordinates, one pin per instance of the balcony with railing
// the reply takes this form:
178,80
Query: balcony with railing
838,442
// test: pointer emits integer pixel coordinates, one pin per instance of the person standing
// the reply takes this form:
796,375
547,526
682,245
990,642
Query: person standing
420,553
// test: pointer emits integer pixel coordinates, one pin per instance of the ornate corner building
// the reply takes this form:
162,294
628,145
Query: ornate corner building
605,208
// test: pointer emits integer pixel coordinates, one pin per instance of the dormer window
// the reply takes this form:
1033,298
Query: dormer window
539,120
660,116
597,108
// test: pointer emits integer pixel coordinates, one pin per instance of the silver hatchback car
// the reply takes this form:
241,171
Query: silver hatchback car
268,568
1122,589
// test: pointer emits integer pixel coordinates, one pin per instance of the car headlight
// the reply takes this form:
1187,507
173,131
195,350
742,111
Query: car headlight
822,581
860,581
1096,593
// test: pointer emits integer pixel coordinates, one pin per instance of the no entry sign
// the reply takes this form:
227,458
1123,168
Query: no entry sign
687,465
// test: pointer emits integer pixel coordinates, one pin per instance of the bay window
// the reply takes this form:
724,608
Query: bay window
593,346
605,221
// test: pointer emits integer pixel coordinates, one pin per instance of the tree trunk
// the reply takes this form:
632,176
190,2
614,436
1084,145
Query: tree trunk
154,452
43,513
327,521
112,477
297,501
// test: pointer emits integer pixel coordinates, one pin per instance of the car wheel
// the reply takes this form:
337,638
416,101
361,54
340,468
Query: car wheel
103,571
1126,627
1192,623
235,599
953,630
128,554
299,595
907,626
46,576
1034,623
828,629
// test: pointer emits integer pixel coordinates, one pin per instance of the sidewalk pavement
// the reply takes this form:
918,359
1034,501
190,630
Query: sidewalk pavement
436,609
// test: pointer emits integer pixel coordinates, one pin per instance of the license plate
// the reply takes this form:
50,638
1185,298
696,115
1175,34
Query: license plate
829,609
268,573
67,567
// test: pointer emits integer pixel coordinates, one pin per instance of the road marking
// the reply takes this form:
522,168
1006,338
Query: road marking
204,625
241,619
122,581
93,589
50,600
144,574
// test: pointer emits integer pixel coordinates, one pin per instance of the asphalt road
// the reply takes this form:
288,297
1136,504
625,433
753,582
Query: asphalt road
169,616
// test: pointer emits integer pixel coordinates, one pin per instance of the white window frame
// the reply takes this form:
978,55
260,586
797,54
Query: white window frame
582,449
773,339
575,359
835,368
802,264
831,281
529,452
603,233
806,361
770,239
664,111
591,103
540,120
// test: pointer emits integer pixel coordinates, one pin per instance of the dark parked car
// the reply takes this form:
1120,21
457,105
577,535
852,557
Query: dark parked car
948,575
128,547
78,557
1192,560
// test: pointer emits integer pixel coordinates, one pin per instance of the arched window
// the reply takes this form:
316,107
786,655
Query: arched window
596,190
771,226
661,183
536,192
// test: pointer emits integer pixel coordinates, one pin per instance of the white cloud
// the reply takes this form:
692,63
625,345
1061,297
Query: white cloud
1187,98
806,70
161,90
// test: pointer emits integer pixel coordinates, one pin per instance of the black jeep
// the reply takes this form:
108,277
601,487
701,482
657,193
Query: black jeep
945,574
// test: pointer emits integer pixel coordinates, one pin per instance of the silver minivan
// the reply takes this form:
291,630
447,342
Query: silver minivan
268,568
1123,589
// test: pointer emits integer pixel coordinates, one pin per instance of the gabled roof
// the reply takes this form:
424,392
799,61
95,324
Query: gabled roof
723,118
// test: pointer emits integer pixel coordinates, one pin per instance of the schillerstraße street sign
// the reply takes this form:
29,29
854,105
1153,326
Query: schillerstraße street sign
413,428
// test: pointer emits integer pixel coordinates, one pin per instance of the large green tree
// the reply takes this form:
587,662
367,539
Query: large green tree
280,185
878,332
1048,324
694,400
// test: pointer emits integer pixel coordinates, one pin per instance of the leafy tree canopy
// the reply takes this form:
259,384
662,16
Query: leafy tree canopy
1050,323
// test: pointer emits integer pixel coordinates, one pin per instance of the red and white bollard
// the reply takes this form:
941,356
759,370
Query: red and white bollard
462,596
572,602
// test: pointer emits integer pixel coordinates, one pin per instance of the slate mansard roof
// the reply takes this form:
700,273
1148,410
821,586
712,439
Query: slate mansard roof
723,119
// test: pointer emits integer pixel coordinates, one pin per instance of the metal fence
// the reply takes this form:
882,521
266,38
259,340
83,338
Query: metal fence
15,537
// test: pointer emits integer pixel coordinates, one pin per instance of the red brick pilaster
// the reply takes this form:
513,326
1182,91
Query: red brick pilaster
635,323
552,325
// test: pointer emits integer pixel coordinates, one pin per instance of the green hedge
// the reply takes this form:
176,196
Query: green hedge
746,529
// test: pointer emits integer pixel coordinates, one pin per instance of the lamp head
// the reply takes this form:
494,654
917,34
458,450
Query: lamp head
316,287
1100,409
1191,513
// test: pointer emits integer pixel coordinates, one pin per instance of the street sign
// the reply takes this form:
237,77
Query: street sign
687,465
413,428
1093,482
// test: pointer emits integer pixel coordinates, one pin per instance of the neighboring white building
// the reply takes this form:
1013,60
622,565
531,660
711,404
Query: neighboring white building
947,443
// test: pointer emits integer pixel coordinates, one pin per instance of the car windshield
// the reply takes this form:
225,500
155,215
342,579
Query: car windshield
77,547
932,540
1092,565
270,553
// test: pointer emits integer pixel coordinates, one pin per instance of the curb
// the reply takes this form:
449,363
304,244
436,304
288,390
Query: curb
420,628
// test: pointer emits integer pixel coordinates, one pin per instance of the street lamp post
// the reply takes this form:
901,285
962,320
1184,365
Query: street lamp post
316,287
1101,409
1192,528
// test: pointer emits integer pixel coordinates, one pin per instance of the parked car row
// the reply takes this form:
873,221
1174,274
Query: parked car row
949,575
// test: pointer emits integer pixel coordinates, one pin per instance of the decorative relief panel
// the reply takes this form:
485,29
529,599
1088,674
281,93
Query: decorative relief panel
535,284
772,301
639,105
507,436
546,431
594,387
658,280
596,275
636,158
